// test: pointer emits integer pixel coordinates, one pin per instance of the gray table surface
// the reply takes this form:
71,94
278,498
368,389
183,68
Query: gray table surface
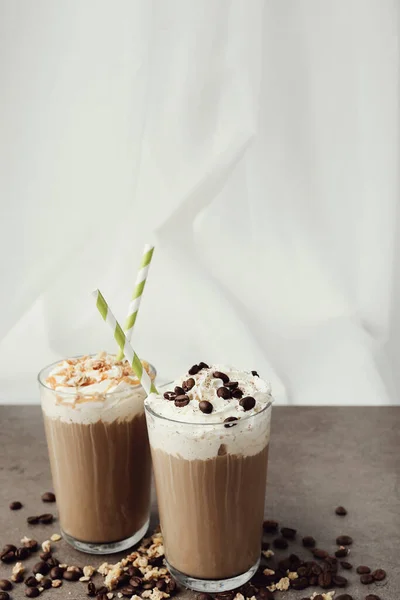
320,458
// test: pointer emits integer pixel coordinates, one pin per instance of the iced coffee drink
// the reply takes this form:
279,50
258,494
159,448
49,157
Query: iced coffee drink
99,452
209,442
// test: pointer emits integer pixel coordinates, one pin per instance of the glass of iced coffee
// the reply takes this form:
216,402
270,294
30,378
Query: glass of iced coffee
99,453
209,440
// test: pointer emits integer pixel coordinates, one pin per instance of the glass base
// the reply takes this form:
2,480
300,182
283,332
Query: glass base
212,586
110,548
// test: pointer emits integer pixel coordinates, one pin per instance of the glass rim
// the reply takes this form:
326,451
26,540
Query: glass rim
43,384
205,423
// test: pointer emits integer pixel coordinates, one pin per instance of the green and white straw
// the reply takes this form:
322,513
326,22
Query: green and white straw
137,294
124,344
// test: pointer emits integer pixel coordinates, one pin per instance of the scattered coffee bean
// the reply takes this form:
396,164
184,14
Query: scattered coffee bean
15,505
41,567
270,526
5,585
301,583
341,511
237,394
339,581
193,371
45,556
344,597
4,596
73,575
31,581
134,572
204,597
346,565
128,590
169,395
344,540
8,548
203,365
321,554
230,421
161,585
101,597
205,407
32,545
265,594
18,577
33,520
135,581
32,592
48,497
313,580
370,597
8,556
91,589
182,400
224,393
148,585
379,574
46,519
46,583
179,391
53,562
288,533
366,578
248,402
280,543
341,553
325,580
309,541
22,553
102,590
361,570
223,376
57,573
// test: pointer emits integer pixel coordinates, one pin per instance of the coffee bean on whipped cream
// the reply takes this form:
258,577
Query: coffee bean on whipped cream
179,391
48,497
169,395
16,505
194,370
182,400
237,394
230,421
255,374
248,402
206,407
224,393
219,375
203,365
189,384
232,385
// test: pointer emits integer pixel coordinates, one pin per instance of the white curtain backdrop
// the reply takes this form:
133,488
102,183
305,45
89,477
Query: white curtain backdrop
256,142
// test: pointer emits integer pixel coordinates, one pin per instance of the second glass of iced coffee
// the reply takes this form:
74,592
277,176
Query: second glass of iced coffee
209,439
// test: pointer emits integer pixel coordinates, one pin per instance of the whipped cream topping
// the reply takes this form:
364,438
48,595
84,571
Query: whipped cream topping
191,433
89,388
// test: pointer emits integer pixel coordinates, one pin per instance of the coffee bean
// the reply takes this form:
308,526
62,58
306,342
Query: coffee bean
370,597
203,365
189,383
5,585
248,402
31,581
101,597
18,577
102,590
148,585
8,548
135,572
361,570
237,394
46,519
193,371
366,578
7,557
179,391
222,376
265,594
182,400
344,597
91,589
341,511
301,583
48,497
224,393
161,585
308,541
41,567
128,590
232,385
32,545
33,520
206,407
169,395
318,553
325,580
45,556
229,421
57,573
135,581
313,580
280,543
346,565
315,569
4,596
379,574
22,553
270,526
32,592
53,562
171,588
341,553
74,575
344,540
288,533
204,596
46,583
339,581
15,505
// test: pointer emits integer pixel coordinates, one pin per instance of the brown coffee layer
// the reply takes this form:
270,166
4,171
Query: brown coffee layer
101,476
211,512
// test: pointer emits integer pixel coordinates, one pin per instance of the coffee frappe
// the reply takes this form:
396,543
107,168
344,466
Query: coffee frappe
99,452
209,442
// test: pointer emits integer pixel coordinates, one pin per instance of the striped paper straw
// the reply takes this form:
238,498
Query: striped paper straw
124,344
137,294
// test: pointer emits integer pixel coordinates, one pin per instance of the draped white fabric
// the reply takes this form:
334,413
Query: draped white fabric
254,141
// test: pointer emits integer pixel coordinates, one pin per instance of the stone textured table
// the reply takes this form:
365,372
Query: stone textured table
320,458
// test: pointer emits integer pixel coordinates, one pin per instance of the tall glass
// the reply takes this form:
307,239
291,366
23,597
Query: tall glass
210,480
100,463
